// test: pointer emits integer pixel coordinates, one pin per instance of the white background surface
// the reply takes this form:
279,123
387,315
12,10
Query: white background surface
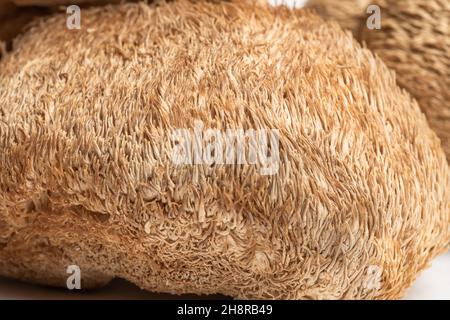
433,283
291,3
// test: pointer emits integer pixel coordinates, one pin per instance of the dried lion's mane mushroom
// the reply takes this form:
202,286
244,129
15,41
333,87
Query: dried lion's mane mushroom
86,175
414,40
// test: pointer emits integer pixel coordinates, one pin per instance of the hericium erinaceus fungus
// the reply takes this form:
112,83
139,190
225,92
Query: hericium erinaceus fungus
414,40
356,206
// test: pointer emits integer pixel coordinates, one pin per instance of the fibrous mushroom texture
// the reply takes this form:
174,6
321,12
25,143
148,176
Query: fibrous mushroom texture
414,40
356,205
